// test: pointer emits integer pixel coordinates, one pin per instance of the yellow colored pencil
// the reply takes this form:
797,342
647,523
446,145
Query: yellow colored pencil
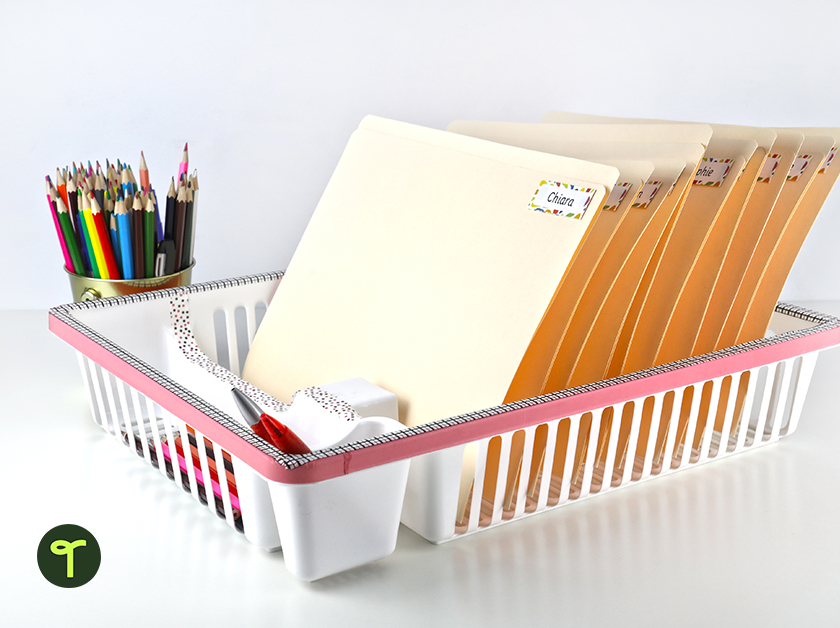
95,242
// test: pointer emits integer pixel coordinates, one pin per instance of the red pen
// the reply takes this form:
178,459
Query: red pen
267,427
282,436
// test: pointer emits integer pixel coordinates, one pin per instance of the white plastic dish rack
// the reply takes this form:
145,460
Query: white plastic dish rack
341,507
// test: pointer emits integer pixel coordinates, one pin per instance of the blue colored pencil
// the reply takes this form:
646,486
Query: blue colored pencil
124,232
115,242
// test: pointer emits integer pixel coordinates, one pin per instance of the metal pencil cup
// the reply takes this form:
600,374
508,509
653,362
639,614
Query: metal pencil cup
90,288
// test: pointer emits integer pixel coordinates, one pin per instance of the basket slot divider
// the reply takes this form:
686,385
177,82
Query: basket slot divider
141,426
155,432
746,410
783,392
181,428
655,419
126,415
185,445
806,371
548,463
670,435
96,378
609,461
525,471
770,383
682,447
168,419
709,426
666,461
232,341
84,364
723,445
478,485
591,452
251,322
109,381
224,489
571,450
632,441
207,479
501,479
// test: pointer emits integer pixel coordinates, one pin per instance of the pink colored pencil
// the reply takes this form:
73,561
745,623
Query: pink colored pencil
185,163
144,174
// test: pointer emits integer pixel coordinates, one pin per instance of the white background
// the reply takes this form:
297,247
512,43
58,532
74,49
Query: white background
267,94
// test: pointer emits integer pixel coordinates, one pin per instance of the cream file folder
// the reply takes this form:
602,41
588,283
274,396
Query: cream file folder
576,357
745,239
690,309
638,345
426,267
806,188
669,307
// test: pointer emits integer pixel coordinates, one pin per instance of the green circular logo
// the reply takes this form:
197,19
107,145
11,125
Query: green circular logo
69,556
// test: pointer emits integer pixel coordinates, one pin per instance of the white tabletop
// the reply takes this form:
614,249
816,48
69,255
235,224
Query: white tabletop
747,541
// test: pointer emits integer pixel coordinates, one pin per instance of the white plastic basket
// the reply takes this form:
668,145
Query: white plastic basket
341,507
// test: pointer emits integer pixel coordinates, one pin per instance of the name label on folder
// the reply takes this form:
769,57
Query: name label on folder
617,195
768,169
829,158
712,172
646,194
562,199
799,165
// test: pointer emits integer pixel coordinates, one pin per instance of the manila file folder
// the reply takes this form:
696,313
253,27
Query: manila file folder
807,185
426,268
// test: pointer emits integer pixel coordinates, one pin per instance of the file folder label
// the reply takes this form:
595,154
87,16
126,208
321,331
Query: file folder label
562,199
828,159
771,164
646,194
712,172
798,166
616,196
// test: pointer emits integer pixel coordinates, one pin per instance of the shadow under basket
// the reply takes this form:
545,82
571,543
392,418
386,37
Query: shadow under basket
341,507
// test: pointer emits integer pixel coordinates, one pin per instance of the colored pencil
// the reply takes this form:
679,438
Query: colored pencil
78,265
180,218
125,181
86,244
115,244
194,181
124,232
99,193
137,237
169,224
185,163
104,240
68,262
61,185
144,173
188,226
100,269
149,237
158,223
